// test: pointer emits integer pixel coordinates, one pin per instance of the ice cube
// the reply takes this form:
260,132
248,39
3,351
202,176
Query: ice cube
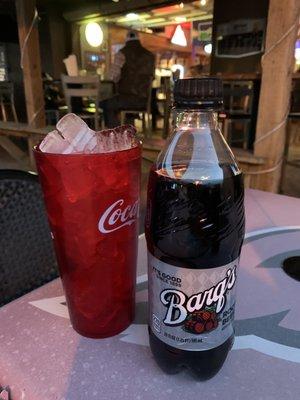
55,143
74,136
129,136
117,139
107,137
77,133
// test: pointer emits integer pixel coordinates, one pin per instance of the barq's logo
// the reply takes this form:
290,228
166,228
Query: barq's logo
179,305
116,216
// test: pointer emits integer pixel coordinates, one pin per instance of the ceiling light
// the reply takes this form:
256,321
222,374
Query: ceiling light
181,5
115,1
154,21
144,16
208,48
179,37
94,34
180,19
132,16
203,2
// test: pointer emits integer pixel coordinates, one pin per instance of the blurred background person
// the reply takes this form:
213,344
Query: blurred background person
132,71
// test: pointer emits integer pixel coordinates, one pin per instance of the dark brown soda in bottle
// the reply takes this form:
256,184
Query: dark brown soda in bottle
194,231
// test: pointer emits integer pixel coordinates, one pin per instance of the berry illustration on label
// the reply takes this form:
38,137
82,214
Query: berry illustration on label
202,321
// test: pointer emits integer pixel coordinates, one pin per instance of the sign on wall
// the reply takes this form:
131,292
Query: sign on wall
202,32
240,38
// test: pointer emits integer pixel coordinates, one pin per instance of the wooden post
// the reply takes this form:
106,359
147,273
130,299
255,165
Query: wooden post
30,58
277,68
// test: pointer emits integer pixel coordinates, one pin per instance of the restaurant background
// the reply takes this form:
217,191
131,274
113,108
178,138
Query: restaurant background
59,57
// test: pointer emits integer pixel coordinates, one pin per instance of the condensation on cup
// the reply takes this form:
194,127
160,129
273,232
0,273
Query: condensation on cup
91,184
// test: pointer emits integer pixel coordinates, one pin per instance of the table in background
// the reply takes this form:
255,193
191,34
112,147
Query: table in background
42,358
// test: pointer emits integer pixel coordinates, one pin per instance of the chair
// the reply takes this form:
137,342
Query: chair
84,87
238,104
27,258
52,116
7,100
107,89
145,111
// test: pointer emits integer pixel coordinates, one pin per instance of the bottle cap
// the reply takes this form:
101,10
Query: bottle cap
198,93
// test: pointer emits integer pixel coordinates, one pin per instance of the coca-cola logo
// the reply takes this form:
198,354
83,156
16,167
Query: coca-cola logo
117,215
179,305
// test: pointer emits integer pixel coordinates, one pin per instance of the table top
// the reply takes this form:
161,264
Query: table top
42,358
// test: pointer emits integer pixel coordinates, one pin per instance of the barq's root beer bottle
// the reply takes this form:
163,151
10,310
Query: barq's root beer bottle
194,232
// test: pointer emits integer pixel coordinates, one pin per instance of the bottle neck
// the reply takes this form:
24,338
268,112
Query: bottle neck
187,119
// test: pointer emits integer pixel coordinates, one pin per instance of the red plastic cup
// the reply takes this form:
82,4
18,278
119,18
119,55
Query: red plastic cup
92,202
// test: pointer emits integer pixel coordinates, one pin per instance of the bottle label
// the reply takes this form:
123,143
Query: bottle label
191,309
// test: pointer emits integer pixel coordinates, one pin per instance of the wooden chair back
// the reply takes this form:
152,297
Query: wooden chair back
82,87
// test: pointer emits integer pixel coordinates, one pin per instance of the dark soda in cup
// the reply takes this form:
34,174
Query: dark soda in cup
92,202
194,232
